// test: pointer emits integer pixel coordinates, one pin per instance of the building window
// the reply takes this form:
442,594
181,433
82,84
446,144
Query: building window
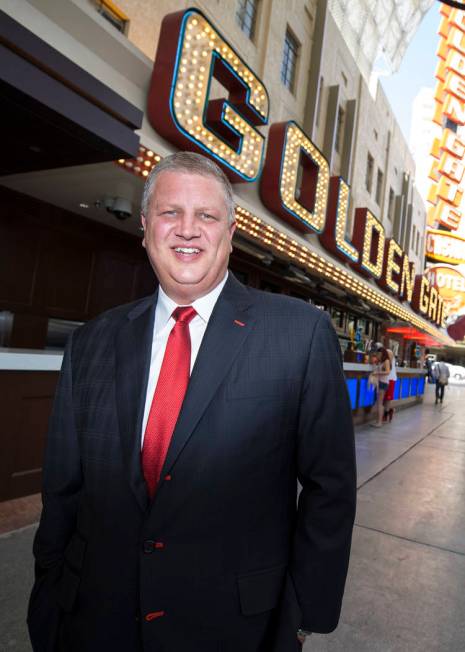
391,205
113,14
379,187
417,246
289,65
369,172
339,130
319,102
246,16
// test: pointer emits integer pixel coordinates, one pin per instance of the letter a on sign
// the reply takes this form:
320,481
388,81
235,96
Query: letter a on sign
191,54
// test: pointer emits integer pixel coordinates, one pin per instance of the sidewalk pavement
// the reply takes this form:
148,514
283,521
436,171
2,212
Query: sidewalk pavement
405,589
406,586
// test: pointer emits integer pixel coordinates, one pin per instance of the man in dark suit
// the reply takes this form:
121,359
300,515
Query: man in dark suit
180,427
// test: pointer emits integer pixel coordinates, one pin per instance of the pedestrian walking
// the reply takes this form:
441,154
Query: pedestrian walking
441,375
381,373
429,367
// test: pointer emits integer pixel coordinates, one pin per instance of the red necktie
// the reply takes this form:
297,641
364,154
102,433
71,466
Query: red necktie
168,397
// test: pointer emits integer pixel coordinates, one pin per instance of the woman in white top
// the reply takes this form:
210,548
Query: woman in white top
381,371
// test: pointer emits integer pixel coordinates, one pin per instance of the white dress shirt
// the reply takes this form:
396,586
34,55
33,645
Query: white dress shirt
164,322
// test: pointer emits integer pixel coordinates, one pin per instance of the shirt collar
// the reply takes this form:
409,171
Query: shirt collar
203,306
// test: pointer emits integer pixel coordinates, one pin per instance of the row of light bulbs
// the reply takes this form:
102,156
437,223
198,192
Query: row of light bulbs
142,164
313,262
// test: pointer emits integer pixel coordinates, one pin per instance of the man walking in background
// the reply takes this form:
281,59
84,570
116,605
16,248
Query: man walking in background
441,375
180,427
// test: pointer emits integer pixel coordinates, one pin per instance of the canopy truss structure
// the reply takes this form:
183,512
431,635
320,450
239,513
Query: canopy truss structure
378,32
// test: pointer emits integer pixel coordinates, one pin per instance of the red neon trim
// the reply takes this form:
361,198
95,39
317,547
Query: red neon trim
154,614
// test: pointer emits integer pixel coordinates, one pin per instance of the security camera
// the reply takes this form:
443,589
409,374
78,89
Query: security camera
120,207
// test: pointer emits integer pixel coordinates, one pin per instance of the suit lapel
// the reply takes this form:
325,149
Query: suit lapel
227,330
133,352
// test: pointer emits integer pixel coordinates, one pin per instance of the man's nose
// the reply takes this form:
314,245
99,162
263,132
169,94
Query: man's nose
187,226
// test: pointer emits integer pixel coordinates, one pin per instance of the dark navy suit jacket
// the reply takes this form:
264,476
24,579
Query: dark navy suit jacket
222,560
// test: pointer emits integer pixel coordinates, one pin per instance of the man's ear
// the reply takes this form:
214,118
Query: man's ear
232,229
143,223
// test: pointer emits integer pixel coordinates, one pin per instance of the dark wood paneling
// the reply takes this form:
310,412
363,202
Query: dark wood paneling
113,281
57,264
18,257
64,274
144,279
26,400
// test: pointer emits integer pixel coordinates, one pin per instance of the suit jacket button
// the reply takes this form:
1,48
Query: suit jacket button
154,614
148,546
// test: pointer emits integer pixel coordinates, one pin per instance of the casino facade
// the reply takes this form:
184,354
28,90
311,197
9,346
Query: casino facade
287,102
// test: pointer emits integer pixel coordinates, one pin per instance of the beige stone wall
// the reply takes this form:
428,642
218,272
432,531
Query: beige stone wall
263,54
376,132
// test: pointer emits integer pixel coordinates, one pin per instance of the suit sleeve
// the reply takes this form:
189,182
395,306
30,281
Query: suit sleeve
62,481
327,473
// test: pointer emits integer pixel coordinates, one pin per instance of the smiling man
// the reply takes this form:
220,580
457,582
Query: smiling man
188,229
181,425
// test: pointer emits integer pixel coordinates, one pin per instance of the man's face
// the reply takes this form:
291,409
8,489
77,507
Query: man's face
187,235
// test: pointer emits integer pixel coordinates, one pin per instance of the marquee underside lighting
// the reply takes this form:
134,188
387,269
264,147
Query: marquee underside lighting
281,244
142,164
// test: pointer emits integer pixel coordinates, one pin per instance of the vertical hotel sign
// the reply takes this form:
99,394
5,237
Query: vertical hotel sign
447,172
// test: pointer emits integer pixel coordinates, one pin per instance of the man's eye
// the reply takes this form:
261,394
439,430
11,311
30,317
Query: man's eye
169,212
207,216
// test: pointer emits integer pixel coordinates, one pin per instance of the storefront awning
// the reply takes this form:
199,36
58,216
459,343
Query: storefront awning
54,113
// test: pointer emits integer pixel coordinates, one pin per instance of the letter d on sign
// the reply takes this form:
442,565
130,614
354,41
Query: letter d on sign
191,52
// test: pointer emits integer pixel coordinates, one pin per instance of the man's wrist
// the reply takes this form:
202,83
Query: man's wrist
303,632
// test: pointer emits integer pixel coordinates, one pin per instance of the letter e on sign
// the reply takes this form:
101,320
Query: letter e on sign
333,237
191,55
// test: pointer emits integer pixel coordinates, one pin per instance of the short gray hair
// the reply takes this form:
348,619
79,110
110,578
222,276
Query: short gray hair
189,163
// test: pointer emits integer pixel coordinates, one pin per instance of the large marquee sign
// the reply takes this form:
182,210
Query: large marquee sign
195,64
